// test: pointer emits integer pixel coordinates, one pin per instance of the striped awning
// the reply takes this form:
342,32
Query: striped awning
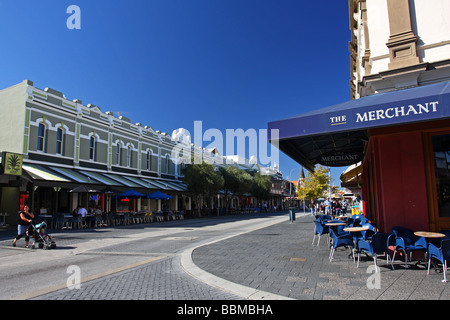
83,176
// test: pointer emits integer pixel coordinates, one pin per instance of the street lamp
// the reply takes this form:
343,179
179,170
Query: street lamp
291,213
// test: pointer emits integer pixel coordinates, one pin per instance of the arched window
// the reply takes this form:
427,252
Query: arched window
92,148
129,153
59,141
149,160
118,153
41,137
167,163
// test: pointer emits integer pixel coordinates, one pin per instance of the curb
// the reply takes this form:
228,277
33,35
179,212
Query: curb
239,290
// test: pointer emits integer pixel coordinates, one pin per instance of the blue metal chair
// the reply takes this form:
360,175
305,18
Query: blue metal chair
442,254
340,230
367,235
407,242
320,229
377,245
340,241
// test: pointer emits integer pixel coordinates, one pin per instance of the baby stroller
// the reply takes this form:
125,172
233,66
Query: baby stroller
41,237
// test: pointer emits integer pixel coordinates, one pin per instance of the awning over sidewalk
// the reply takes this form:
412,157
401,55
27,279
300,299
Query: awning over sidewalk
335,136
43,173
38,172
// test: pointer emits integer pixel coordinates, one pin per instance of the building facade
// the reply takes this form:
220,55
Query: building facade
397,122
63,144
396,45
66,144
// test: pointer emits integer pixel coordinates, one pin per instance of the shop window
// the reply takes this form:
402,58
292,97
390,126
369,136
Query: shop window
441,149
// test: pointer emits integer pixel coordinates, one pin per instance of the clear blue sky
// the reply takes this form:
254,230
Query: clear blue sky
167,63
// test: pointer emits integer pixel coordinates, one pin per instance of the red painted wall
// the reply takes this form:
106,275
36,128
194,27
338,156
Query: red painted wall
400,180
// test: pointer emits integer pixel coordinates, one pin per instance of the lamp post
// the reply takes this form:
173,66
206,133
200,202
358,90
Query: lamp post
304,208
291,210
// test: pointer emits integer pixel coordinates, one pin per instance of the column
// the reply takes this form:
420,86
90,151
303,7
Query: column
402,40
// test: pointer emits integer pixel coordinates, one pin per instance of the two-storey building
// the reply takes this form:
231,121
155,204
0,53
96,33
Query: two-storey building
53,146
65,144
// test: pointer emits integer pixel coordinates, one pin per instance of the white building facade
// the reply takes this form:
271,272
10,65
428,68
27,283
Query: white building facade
397,44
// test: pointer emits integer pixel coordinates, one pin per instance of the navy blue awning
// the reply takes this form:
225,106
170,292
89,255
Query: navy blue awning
335,135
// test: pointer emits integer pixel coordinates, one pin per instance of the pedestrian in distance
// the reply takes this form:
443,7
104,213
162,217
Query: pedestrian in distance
25,218
327,205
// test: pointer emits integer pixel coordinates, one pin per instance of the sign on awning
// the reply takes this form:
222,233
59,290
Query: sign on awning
338,159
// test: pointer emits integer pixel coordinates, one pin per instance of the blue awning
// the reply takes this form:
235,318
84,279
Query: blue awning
335,135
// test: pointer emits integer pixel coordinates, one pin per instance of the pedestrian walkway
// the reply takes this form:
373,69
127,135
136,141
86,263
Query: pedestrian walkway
277,261
281,259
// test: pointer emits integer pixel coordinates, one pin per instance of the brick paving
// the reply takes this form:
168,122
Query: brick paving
278,259
281,259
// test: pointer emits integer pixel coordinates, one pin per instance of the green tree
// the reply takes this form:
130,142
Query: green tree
316,184
202,180
236,182
261,186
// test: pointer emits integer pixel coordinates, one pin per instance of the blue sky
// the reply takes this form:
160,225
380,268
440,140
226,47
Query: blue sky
167,63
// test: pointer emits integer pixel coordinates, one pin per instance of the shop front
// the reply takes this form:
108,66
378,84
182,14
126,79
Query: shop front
49,189
403,140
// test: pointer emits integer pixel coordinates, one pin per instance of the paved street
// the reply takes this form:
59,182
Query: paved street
262,258
128,262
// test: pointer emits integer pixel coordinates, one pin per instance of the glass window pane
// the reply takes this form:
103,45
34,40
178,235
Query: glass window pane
441,148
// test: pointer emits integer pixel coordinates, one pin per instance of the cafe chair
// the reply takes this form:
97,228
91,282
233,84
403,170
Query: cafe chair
98,221
148,217
367,235
340,241
58,221
442,254
447,234
159,216
378,244
406,241
319,230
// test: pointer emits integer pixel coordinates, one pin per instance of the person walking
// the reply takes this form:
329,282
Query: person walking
327,205
312,206
25,218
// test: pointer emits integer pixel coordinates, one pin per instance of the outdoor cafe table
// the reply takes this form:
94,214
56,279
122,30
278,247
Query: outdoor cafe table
335,224
355,233
430,237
